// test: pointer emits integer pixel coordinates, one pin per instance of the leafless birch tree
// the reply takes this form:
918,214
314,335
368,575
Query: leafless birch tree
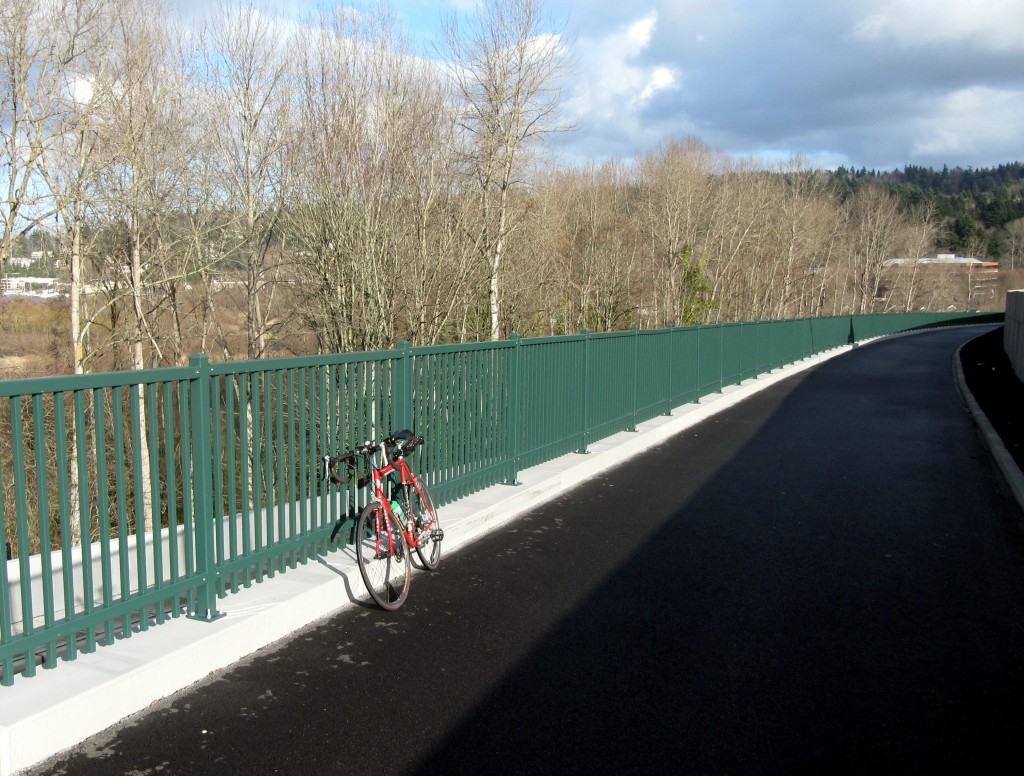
505,65
41,47
248,83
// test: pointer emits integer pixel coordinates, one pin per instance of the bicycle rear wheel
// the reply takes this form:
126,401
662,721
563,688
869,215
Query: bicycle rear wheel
422,514
383,557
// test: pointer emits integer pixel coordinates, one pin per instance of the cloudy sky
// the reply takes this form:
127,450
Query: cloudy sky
872,83
875,83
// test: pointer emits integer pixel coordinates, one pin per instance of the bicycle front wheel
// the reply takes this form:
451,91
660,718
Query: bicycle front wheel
422,514
383,557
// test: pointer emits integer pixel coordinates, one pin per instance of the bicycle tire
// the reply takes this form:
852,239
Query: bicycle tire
383,558
421,511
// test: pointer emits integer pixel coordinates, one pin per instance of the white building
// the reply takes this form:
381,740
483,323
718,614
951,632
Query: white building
28,286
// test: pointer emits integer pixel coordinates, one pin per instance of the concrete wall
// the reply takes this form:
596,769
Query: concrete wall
1013,333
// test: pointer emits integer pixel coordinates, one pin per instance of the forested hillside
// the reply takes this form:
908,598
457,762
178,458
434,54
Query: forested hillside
980,210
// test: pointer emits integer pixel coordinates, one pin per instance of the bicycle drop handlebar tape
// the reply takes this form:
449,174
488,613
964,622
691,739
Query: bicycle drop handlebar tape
405,441
348,459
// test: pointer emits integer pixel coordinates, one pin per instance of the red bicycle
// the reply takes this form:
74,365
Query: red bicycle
401,516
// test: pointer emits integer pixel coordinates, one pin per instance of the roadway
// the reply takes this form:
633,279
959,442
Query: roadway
827,577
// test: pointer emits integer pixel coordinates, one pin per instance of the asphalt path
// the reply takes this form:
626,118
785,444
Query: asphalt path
826,578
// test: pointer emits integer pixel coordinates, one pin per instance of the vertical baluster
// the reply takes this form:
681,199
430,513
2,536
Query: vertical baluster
318,445
218,426
60,432
43,523
137,440
6,632
174,568
279,448
245,506
288,490
234,485
157,541
188,525
84,516
103,507
121,501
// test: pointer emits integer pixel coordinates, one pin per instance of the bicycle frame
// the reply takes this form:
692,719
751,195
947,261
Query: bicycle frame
378,473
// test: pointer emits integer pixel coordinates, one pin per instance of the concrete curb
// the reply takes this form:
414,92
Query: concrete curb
1011,472
58,709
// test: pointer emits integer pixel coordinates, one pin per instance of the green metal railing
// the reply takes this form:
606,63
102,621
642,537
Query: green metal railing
190,483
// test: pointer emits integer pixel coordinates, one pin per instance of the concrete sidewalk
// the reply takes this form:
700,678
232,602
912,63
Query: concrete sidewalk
60,708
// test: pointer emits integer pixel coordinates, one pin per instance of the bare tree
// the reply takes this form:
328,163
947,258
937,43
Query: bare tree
150,121
919,239
875,224
593,248
377,215
436,261
505,66
248,81
1014,245
74,162
679,191
50,56
800,230
41,47
339,201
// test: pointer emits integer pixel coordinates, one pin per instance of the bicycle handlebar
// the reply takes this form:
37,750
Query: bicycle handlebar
395,444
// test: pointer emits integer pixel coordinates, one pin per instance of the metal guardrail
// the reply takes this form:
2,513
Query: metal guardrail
191,482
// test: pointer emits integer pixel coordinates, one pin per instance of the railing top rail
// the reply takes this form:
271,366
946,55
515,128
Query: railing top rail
465,347
30,386
222,368
578,337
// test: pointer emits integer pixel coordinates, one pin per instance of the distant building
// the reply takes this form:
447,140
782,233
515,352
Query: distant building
949,259
971,283
28,286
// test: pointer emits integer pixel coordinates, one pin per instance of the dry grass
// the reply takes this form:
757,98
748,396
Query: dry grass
28,341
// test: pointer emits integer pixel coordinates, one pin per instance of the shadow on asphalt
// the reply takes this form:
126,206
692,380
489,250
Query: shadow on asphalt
836,589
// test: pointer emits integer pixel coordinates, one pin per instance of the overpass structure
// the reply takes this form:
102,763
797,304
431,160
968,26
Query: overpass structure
56,708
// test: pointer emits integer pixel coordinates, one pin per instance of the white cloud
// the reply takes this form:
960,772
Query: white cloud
989,24
866,83
660,79
638,34
612,85
968,121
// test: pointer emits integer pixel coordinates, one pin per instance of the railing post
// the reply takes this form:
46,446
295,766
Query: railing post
671,364
512,477
401,386
202,493
739,372
721,357
585,395
636,371
696,361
